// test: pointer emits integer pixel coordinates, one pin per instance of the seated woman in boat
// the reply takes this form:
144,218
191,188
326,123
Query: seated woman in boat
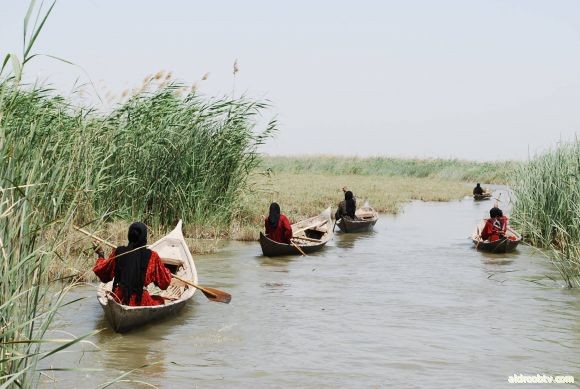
277,225
347,207
132,268
478,190
496,226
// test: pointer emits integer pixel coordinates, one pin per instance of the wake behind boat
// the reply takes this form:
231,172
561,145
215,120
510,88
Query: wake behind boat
309,235
174,253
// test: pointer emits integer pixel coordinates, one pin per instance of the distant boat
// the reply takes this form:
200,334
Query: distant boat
173,251
366,218
309,235
505,245
484,196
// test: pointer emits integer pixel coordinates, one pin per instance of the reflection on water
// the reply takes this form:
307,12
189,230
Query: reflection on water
412,304
348,241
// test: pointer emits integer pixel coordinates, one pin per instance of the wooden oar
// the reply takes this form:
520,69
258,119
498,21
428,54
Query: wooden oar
211,293
95,237
335,222
478,238
298,248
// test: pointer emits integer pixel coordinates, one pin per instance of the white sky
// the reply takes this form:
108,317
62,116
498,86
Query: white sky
466,78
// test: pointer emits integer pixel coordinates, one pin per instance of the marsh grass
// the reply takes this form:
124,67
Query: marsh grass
547,207
444,169
304,194
158,156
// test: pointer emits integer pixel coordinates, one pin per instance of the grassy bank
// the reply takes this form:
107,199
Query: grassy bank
444,169
547,207
301,194
305,185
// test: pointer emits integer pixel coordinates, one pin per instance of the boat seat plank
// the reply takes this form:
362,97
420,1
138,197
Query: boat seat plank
172,261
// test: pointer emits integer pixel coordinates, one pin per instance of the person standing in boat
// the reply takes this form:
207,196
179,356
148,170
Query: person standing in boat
478,190
277,225
347,207
496,226
132,268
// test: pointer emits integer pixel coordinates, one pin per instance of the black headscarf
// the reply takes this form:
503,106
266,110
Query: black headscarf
350,203
495,212
274,216
131,263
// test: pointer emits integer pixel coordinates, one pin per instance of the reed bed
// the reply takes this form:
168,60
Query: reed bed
445,169
29,299
547,207
158,157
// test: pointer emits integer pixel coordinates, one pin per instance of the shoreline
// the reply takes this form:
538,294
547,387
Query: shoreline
299,198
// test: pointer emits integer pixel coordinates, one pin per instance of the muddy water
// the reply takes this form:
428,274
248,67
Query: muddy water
411,304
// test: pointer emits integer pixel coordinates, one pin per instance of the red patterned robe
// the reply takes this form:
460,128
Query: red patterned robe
282,232
157,273
494,228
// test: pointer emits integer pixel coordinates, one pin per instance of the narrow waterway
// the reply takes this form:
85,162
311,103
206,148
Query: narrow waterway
410,305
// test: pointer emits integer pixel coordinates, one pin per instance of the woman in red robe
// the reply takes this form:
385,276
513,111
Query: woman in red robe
496,226
277,225
132,268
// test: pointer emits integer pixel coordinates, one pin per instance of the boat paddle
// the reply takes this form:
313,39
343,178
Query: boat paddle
298,248
211,293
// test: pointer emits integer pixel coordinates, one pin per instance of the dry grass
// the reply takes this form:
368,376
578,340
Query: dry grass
302,195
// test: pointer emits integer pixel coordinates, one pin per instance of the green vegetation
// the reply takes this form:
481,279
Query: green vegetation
547,206
447,169
161,155
158,157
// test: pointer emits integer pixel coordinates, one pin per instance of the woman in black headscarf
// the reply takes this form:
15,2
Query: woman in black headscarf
496,226
132,268
277,225
347,207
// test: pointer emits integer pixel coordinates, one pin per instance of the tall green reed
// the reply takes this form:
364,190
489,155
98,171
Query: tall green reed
34,216
547,206
156,157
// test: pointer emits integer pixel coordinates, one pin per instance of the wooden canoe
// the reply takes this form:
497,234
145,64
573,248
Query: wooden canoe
504,245
310,235
483,196
366,218
174,253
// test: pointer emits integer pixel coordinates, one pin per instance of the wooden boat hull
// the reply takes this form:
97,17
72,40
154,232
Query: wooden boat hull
367,218
484,196
317,237
499,246
274,249
124,318
173,251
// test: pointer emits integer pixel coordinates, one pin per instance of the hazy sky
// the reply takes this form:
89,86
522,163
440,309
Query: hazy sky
470,79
